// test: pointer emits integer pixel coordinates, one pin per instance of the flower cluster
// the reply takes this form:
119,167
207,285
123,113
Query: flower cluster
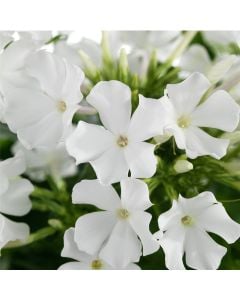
153,141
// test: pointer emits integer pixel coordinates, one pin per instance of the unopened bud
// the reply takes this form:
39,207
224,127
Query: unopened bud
89,67
182,166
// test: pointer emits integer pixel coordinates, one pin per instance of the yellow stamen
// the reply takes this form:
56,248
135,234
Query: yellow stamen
122,141
96,264
123,213
61,106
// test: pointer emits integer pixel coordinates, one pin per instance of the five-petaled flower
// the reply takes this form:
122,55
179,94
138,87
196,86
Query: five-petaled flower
119,233
120,147
184,227
84,261
41,113
186,114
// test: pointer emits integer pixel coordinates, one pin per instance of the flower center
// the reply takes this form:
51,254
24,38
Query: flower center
187,221
96,264
61,106
122,141
123,213
184,122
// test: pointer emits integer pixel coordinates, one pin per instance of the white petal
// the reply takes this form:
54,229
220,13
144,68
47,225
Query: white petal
46,133
16,200
75,266
195,206
200,143
218,111
4,183
140,222
92,230
186,95
12,231
141,159
132,267
135,194
171,217
14,56
14,166
93,192
148,119
215,219
202,252
172,243
73,79
111,166
49,70
38,106
112,99
178,134
196,58
88,142
70,247
123,246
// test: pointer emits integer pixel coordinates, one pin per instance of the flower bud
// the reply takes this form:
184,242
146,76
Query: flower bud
182,166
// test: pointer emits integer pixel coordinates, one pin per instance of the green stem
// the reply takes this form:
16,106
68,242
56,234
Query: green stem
36,236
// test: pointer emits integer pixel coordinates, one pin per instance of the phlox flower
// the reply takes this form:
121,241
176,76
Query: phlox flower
184,227
187,115
118,147
41,114
119,233
84,261
14,199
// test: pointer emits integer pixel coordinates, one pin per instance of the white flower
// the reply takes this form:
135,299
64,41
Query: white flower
43,162
120,147
221,38
186,114
120,231
12,62
5,38
84,261
14,200
39,37
184,227
40,115
71,51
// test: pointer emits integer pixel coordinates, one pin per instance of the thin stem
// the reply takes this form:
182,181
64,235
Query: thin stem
36,236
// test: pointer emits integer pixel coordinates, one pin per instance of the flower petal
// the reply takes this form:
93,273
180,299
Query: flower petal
172,243
75,266
70,248
92,230
38,106
202,252
93,192
123,246
141,159
44,134
148,119
111,166
16,200
218,111
135,195
140,222
186,95
74,77
170,218
12,231
200,143
112,99
196,58
215,219
88,142
49,70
